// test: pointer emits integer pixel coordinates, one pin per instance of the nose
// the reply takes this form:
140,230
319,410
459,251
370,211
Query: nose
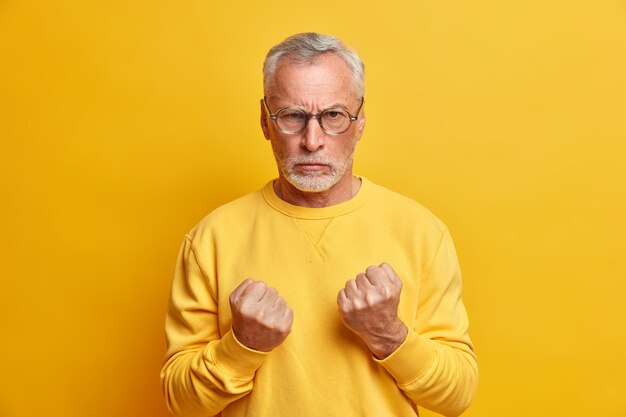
313,135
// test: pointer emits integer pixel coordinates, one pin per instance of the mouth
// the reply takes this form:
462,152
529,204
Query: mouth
311,167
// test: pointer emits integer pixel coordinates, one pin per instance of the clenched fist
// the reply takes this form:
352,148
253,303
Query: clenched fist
261,318
368,305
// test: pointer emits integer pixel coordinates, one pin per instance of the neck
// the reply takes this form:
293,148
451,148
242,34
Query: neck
341,192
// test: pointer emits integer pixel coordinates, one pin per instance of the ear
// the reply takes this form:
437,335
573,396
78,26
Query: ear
264,121
360,124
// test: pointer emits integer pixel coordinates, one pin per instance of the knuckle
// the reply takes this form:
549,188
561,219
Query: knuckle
371,268
346,308
284,327
372,299
359,305
244,311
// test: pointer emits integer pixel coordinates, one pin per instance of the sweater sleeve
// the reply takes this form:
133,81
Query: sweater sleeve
436,366
204,371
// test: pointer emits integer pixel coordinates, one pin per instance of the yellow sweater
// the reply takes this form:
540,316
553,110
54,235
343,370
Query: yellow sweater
322,368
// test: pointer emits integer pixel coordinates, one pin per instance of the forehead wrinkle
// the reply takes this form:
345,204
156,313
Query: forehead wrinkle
315,86
312,97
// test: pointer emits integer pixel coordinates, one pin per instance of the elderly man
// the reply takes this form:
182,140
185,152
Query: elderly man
322,294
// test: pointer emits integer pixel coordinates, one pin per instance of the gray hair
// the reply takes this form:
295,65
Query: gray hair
305,48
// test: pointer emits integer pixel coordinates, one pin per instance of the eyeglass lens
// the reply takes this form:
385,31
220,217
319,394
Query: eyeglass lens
331,120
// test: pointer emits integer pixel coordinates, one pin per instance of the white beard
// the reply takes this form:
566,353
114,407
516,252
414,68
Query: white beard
312,181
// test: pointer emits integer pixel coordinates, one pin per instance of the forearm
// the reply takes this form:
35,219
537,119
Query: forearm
203,381
204,370
436,365
441,377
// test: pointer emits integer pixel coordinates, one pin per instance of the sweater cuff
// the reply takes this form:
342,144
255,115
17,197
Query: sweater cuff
235,359
411,360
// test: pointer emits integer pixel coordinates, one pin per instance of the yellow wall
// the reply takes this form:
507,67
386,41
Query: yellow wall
123,122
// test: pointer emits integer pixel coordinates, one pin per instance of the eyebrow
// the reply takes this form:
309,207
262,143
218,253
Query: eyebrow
336,105
332,106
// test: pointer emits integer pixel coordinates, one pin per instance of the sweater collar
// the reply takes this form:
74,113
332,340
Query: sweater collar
317,213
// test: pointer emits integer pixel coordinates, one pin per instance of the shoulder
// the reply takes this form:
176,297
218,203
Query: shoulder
405,210
228,215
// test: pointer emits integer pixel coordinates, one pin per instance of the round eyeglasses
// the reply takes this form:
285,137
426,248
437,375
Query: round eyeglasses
292,120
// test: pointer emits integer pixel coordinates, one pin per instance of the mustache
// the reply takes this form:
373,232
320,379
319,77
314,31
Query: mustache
308,159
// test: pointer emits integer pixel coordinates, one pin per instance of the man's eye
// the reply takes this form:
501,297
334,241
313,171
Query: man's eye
293,116
333,114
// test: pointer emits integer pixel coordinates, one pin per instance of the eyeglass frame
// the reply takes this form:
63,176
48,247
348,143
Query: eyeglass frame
310,116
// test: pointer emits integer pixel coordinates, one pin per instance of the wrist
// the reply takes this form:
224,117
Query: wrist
385,344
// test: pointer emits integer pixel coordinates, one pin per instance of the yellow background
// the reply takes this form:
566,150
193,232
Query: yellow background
123,122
